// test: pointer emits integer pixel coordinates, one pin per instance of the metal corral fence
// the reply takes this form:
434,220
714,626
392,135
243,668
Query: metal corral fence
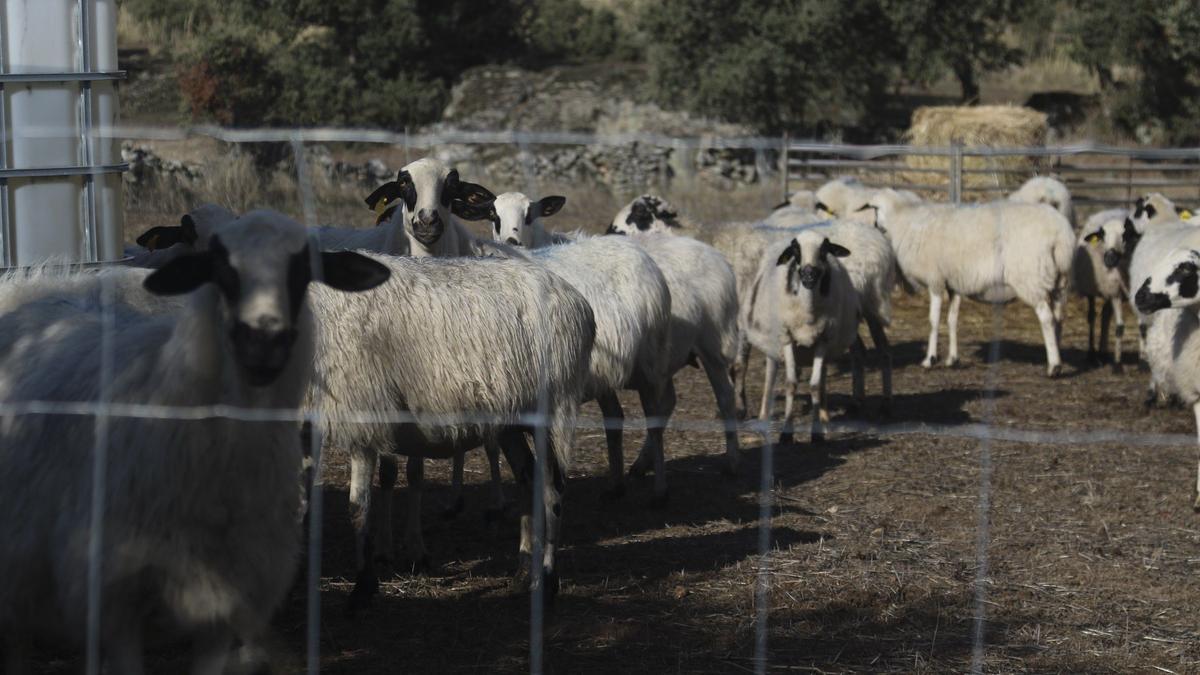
1098,176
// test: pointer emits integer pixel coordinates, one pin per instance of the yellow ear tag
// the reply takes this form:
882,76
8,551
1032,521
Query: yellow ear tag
152,245
1096,241
1185,215
381,206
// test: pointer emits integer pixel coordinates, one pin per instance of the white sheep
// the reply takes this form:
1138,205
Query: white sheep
842,196
1173,286
468,346
1100,270
632,306
993,252
872,270
199,528
1049,191
424,201
803,298
800,200
647,213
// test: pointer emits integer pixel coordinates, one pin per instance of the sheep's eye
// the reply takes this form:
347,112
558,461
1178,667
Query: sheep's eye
1150,211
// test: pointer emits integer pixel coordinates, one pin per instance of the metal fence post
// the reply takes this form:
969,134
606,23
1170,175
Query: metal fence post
786,167
956,173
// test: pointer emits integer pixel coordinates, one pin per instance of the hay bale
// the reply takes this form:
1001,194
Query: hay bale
994,126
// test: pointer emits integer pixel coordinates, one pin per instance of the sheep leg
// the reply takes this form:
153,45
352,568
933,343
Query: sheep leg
816,383
1106,314
520,463
787,436
614,421
1059,304
935,318
952,326
123,648
496,512
764,414
658,411
879,337
1118,333
1091,319
1045,317
362,471
456,488
554,488
389,471
858,354
737,375
414,539
210,651
1196,412
722,388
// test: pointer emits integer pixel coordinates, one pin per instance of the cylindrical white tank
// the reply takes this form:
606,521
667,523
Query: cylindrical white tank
48,216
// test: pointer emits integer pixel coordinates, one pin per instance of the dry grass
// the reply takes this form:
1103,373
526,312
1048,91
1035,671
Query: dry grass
975,127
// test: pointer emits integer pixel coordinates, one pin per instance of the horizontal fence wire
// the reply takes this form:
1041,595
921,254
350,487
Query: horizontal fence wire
855,157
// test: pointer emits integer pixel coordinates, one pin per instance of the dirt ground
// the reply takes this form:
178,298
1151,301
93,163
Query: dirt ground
1092,548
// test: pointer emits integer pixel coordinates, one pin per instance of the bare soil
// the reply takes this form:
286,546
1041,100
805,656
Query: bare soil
1092,549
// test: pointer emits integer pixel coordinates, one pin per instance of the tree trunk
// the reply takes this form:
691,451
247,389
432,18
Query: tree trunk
964,70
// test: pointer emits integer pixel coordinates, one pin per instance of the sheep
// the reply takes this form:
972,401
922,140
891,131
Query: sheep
1046,190
491,338
1100,270
1171,287
803,298
200,524
703,323
632,306
1153,209
801,200
993,252
424,201
872,270
159,245
647,213
842,196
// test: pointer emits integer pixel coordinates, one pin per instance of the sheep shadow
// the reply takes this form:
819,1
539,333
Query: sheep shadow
1012,351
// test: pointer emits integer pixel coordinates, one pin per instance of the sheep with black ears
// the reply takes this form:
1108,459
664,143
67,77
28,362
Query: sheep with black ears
1049,191
159,245
424,201
1173,285
803,298
470,347
632,306
1101,270
993,252
200,521
647,213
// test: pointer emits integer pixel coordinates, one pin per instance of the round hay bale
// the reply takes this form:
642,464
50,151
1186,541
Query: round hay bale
991,126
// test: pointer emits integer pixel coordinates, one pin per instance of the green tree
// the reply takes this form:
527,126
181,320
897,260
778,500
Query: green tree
806,65
967,38
1158,39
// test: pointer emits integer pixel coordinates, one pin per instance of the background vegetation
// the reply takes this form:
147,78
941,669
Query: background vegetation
810,67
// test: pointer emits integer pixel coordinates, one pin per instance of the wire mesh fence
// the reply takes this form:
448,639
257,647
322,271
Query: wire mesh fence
768,614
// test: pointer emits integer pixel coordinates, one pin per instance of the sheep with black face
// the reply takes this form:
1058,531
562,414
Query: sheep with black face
1171,292
803,300
425,200
647,213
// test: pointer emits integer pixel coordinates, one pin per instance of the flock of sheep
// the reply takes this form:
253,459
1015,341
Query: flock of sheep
157,417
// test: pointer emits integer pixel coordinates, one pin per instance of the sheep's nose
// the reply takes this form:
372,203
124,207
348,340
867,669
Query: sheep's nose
429,217
809,276
263,349
1148,302
512,241
1111,259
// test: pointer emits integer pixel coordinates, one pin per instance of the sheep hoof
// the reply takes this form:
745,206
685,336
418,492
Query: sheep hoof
929,361
1054,370
638,468
730,468
660,501
787,438
952,362
456,507
366,587
521,578
885,409
613,494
